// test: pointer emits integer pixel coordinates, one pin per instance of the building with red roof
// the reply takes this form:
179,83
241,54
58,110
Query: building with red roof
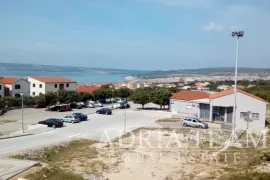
218,106
87,88
42,84
14,86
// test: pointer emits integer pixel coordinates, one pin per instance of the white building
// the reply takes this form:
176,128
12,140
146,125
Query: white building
42,84
2,90
223,87
250,111
15,86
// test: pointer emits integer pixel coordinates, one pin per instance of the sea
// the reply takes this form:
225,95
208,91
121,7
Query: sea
81,78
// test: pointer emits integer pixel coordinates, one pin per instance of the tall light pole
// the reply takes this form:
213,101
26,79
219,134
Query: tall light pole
22,112
125,124
238,35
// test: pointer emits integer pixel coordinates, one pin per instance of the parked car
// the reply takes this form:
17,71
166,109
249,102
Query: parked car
83,104
57,108
71,119
52,122
82,116
194,122
106,111
75,106
91,105
123,100
67,108
103,101
116,106
98,104
124,106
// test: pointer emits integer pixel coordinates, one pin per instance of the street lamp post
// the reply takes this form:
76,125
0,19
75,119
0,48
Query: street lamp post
112,98
22,113
125,124
238,35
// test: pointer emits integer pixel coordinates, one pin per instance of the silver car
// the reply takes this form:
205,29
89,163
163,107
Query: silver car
194,122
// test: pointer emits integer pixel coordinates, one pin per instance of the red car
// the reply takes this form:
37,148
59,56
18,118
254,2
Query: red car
67,108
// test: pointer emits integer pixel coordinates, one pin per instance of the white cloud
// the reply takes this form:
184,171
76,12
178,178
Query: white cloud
212,27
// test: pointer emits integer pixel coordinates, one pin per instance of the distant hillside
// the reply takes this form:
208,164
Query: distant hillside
204,71
32,68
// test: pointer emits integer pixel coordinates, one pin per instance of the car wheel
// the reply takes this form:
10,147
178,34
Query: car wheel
107,113
202,127
54,126
98,112
185,124
72,122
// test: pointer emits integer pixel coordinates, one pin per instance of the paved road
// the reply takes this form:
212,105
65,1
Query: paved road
32,116
94,129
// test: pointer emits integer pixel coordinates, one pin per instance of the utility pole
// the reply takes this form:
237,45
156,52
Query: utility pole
22,113
238,35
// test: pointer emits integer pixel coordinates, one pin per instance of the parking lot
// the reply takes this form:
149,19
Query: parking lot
33,116
95,128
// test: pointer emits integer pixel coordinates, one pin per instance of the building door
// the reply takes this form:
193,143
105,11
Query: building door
229,114
61,86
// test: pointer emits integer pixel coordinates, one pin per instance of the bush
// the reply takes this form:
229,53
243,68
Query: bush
53,173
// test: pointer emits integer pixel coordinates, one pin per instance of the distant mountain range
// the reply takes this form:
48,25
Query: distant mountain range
53,69
203,71
64,69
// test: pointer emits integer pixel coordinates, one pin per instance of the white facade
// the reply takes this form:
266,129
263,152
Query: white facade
38,87
2,90
245,104
250,111
19,87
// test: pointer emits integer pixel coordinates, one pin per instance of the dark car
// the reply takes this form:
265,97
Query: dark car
82,116
75,106
52,122
124,106
104,111
103,101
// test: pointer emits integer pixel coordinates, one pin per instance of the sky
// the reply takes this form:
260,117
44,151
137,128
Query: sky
135,34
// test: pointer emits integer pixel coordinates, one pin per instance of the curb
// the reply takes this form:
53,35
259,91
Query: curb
10,137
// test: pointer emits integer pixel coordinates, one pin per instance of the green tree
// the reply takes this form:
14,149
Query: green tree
13,101
72,96
141,96
161,96
84,96
104,92
124,92
62,96
41,100
50,98
28,101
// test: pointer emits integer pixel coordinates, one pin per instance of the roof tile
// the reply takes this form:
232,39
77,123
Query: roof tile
9,80
52,79
87,88
190,95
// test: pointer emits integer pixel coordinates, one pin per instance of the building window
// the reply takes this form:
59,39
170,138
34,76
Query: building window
0,96
67,85
55,86
243,115
255,116
0,87
40,85
33,93
17,86
17,95
34,85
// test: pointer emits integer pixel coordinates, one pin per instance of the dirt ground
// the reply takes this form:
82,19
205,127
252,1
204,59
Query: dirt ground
154,154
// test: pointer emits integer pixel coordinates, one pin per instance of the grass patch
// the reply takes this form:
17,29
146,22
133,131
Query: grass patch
53,154
53,173
5,121
247,176
169,120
